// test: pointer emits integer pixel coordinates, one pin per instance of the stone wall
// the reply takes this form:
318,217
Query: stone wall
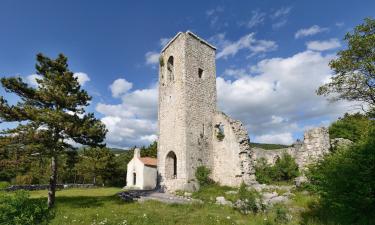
315,144
232,156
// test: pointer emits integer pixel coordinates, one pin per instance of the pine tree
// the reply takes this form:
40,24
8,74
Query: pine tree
51,115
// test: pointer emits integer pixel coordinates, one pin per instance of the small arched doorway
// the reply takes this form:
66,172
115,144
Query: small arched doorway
171,166
134,179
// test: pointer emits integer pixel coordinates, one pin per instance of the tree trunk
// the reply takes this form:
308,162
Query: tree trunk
52,182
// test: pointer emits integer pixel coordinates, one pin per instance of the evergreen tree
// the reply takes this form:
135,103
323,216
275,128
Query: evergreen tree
50,115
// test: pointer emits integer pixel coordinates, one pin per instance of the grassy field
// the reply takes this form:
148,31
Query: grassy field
102,206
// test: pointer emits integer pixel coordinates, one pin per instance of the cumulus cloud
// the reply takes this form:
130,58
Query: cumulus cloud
83,78
277,95
152,58
275,99
134,120
228,48
282,138
120,86
315,29
31,79
323,45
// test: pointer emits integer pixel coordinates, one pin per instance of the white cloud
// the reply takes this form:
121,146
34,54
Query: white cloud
279,95
257,18
164,41
315,29
340,24
248,42
31,79
82,78
237,73
281,12
152,58
282,138
279,24
323,45
120,86
134,120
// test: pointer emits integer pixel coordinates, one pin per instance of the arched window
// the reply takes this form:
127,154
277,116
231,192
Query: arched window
171,166
170,68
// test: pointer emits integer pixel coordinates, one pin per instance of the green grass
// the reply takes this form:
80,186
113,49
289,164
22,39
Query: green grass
102,206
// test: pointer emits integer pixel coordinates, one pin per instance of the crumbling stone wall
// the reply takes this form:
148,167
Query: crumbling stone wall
232,155
315,144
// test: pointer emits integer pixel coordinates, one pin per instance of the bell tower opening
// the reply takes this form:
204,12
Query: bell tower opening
170,68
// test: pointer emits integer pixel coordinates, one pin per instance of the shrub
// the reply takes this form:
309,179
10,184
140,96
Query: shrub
18,209
281,214
4,184
263,171
285,169
203,176
346,184
248,200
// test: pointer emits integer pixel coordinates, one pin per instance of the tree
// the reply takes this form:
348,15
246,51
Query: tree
150,151
354,69
352,127
345,181
50,115
97,163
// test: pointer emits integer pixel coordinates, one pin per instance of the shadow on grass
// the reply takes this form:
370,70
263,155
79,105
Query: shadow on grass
87,201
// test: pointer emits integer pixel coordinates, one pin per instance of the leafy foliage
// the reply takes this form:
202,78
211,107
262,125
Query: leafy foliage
18,209
354,68
249,199
285,169
352,126
346,184
50,114
203,176
97,164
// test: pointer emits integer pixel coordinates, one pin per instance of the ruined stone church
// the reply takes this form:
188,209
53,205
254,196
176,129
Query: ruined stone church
192,131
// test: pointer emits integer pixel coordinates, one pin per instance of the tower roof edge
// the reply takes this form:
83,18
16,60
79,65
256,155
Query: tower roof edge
191,34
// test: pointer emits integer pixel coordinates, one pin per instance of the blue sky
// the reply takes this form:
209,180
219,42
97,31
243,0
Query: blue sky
271,56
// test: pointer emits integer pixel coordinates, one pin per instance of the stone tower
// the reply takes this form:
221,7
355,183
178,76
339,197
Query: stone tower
187,105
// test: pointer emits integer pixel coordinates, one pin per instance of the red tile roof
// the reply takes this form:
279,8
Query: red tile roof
148,161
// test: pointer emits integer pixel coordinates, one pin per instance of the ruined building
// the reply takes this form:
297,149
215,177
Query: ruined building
192,132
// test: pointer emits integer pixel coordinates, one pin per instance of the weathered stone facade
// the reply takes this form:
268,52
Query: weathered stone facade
187,118
193,133
315,144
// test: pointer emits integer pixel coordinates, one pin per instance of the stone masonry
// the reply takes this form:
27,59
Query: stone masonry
316,143
193,133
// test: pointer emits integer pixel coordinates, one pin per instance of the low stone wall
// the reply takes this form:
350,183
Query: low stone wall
315,145
35,187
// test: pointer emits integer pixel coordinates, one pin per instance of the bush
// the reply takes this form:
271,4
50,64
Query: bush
346,184
4,184
285,169
203,176
18,209
352,126
248,200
